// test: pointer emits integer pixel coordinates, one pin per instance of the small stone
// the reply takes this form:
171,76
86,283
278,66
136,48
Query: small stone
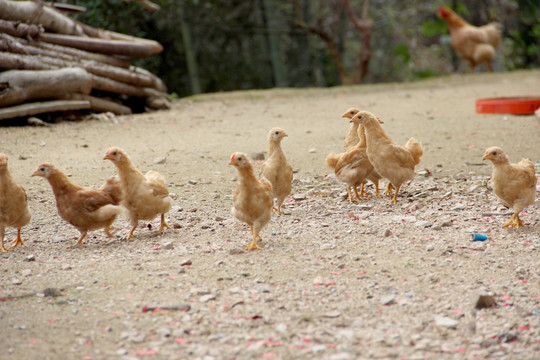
34,121
26,272
236,251
387,233
207,297
281,328
332,314
186,262
257,156
30,257
298,197
485,301
446,322
52,292
423,224
167,245
192,182
121,352
16,282
160,160
219,218
430,247
66,267
312,150
57,239
388,299
458,206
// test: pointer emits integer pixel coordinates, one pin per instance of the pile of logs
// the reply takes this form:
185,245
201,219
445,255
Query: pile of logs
57,64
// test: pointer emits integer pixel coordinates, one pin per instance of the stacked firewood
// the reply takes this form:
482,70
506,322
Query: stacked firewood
52,63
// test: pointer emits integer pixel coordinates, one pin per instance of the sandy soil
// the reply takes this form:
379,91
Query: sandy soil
333,281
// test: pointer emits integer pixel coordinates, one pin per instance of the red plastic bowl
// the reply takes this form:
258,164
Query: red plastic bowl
524,105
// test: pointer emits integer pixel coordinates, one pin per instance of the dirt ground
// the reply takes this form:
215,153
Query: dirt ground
333,280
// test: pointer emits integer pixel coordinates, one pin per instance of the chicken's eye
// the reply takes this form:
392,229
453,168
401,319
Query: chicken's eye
42,169
494,153
114,153
239,158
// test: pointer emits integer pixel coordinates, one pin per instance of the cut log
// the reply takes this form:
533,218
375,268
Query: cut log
42,107
100,104
9,61
24,85
39,13
15,28
138,49
131,76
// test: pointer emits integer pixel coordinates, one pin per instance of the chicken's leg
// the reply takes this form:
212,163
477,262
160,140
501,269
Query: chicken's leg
108,231
83,235
389,189
362,191
253,245
356,192
377,193
2,248
163,224
130,235
18,241
394,199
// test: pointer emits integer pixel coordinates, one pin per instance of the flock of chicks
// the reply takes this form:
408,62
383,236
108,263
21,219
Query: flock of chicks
370,154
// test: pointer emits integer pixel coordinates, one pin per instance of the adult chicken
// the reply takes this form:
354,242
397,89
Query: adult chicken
144,196
391,160
14,210
85,208
252,199
276,168
477,45
514,184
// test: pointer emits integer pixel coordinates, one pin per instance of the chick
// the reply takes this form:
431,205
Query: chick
252,199
14,210
276,169
351,167
83,207
514,184
392,161
144,196
351,139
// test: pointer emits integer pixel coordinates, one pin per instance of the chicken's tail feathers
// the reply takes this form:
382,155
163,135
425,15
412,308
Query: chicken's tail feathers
416,149
112,187
108,211
154,176
493,31
526,163
331,160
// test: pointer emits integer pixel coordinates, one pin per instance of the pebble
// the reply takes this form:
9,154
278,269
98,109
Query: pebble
167,245
446,322
332,314
192,182
458,206
66,267
298,197
30,257
186,262
26,272
388,299
312,150
16,281
282,328
207,297
257,156
423,224
430,247
160,160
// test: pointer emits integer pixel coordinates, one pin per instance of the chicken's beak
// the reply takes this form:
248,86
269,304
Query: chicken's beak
233,162
347,115
487,157
35,173
107,157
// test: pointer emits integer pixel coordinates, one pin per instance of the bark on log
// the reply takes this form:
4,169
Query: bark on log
130,76
20,86
100,104
18,29
42,107
10,61
40,13
103,46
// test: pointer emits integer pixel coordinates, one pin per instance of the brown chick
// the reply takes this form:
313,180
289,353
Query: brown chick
514,184
392,161
351,139
351,167
276,169
252,199
144,196
373,176
14,210
112,187
85,208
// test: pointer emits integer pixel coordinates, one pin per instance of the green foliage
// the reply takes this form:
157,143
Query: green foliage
433,28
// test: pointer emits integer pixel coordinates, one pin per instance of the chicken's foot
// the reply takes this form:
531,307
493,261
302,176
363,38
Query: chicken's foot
514,222
394,198
389,189
253,245
163,224
108,231
3,248
130,235
18,241
83,235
